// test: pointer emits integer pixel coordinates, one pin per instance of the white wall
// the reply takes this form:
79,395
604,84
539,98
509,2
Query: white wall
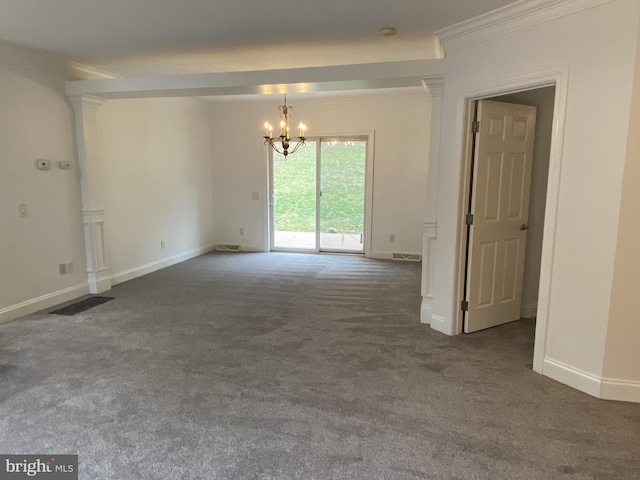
623,335
36,121
597,45
156,160
401,125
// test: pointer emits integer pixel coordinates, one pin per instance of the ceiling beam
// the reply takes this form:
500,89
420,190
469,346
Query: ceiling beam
263,82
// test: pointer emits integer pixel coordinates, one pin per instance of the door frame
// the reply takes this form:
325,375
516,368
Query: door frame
558,78
369,138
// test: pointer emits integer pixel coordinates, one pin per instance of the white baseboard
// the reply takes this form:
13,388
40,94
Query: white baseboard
605,388
584,381
40,303
437,323
157,265
99,284
529,311
622,390
426,310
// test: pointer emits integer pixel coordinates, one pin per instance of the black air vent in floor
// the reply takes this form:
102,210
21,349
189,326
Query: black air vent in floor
81,306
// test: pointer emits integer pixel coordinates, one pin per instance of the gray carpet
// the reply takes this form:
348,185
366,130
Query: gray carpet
284,366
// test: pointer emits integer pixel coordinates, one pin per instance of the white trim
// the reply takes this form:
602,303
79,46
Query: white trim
429,238
29,58
434,85
132,273
510,18
560,78
426,310
600,387
621,390
366,76
40,303
439,324
80,71
529,311
584,381
368,192
99,283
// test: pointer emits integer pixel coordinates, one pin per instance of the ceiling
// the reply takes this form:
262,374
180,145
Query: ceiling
163,37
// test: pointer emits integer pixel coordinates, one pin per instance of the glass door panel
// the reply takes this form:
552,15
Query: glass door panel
294,199
342,195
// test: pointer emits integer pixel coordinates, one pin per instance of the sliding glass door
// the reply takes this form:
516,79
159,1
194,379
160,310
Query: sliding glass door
342,178
318,197
294,199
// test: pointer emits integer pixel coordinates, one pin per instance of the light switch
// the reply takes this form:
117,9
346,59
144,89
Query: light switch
22,208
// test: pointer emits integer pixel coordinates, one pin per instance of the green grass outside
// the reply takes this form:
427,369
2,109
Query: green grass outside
342,179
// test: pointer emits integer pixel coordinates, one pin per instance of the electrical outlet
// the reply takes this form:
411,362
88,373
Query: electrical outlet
392,238
162,244
63,268
255,196
43,164
69,268
241,230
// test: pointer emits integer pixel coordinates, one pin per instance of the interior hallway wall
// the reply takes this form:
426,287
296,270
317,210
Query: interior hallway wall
593,154
622,362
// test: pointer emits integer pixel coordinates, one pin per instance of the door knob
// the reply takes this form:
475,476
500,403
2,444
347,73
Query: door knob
524,226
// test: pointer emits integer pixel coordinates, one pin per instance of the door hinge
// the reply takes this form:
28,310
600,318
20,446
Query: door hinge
469,219
475,126
464,306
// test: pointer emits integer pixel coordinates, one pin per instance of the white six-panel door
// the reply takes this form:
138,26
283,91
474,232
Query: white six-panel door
499,204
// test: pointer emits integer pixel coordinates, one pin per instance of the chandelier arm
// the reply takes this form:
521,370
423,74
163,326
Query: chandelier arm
300,142
271,143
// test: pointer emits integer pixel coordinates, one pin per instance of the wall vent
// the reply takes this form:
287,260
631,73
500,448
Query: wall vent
226,247
408,257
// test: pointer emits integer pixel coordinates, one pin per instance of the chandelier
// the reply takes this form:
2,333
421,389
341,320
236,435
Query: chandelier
285,132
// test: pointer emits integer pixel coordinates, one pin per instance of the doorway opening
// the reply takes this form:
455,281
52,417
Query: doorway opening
319,197
504,272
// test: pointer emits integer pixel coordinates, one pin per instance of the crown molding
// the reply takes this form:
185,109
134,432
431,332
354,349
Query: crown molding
511,18
434,85
81,71
28,58
86,102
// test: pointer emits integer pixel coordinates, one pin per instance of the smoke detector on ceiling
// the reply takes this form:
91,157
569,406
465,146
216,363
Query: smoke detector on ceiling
387,31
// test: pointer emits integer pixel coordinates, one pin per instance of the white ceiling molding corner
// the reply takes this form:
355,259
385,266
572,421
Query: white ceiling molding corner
508,19
80,71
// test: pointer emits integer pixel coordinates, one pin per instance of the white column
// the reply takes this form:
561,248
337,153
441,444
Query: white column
92,191
428,259
435,86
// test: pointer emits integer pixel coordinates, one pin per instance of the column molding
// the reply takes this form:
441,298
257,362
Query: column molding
92,190
434,85
428,262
